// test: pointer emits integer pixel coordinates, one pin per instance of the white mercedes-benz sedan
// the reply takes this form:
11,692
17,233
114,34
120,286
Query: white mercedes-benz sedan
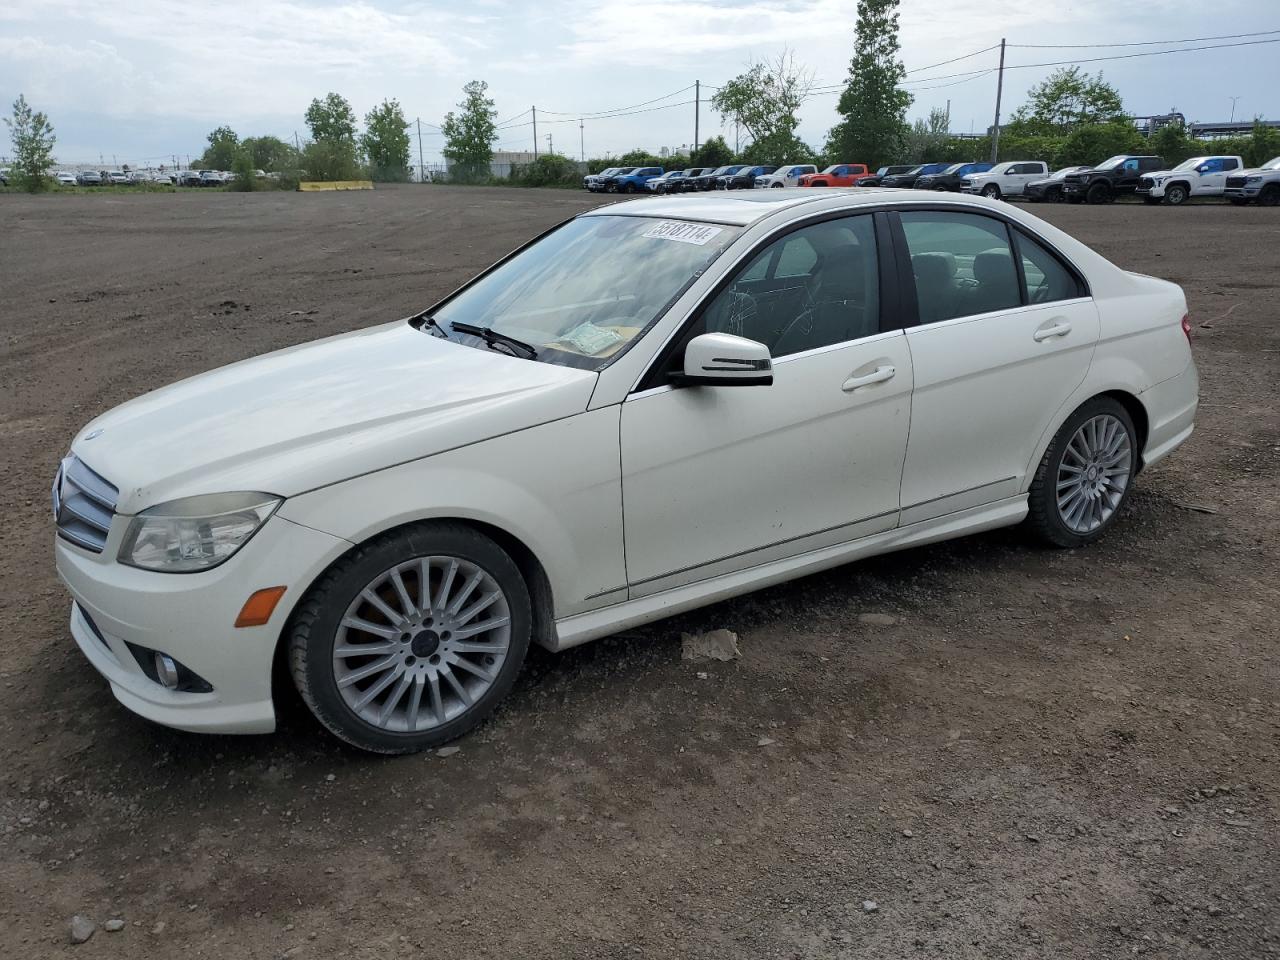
653,406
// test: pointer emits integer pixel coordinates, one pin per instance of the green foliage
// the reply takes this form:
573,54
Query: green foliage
243,168
714,153
331,119
221,153
271,154
1095,142
549,170
1174,143
386,142
764,101
469,135
1262,144
33,141
1069,98
925,140
331,160
873,105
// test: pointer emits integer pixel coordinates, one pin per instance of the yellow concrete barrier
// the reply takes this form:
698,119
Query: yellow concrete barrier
335,185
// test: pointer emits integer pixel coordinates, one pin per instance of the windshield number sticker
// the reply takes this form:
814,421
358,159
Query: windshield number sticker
695,233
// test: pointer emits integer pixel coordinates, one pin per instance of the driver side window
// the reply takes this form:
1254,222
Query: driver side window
814,287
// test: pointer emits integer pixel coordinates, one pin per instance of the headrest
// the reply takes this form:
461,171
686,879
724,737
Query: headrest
934,267
993,266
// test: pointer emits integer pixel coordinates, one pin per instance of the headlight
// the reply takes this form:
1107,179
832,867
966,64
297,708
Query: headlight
195,533
1252,179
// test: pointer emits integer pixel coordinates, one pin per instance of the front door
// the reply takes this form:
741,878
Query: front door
716,479
1000,344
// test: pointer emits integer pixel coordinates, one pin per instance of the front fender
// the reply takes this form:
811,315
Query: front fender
556,488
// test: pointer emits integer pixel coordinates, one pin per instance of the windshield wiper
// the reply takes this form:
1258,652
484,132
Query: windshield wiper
493,337
430,321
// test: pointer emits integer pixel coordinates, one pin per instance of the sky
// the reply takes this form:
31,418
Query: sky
144,81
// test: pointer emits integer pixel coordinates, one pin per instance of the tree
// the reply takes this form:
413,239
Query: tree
221,153
1174,143
271,154
927,140
331,119
714,153
764,101
873,105
246,174
1093,143
33,142
470,134
386,142
1069,98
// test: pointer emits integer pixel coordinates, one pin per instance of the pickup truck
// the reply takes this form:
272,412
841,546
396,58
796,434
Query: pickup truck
592,180
909,178
708,180
836,175
1050,188
788,176
950,178
632,182
1261,184
744,179
1197,177
1008,179
1113,177
893,171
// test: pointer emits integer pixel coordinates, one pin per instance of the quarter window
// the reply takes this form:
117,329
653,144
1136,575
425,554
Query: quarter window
962,264
1047,278
814,287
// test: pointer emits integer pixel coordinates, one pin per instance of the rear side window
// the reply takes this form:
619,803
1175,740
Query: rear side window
962,264
1048,279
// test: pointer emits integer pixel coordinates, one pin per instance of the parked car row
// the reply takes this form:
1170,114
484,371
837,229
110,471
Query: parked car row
124,178
1144,176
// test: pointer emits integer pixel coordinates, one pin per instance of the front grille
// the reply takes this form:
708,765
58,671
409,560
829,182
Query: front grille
83,505
1236,181
1145,183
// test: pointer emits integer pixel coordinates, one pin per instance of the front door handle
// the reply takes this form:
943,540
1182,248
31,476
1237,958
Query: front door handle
879,375
1057,330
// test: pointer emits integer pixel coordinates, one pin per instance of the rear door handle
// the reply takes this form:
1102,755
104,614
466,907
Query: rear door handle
879,375
1057,330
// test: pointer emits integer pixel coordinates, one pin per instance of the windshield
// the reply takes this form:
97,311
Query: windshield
913,170
1190,164
1112,162
583,293
720,170
1271,164
954,168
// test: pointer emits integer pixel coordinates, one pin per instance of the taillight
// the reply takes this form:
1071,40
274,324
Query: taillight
1186,326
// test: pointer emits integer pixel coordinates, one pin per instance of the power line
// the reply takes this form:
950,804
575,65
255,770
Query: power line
994,46
1137,43
600,114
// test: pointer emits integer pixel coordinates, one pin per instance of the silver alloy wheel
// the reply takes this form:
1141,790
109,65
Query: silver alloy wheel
412,652
1093,473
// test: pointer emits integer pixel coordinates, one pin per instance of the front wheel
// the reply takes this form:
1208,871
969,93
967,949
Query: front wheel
1084,477
777,186
1176,195
1270,197
1098,193
411,639
991,191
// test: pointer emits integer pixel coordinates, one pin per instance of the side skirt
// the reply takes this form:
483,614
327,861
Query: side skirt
583,627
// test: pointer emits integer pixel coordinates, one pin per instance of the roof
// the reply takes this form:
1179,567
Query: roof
741,208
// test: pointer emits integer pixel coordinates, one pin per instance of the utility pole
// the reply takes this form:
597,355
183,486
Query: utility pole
995,133
550,146
697,107
422,170
296,145
582,142
1233,110
534,110
948,117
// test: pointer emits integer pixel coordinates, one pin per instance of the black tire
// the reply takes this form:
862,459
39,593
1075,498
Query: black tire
314,626
629,188
1044,518
776,186
1151,201
1098,193
991,191
1270,196
1176,195
1239,202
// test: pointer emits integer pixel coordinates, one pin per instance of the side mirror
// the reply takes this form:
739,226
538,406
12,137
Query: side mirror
723,360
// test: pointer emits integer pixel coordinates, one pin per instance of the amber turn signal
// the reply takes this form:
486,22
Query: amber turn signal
258,608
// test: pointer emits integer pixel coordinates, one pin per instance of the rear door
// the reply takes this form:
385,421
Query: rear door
1005,332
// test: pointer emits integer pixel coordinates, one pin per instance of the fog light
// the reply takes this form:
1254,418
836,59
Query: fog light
167,671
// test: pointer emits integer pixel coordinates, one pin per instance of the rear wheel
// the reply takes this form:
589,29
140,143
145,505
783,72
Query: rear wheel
412,639
1084,477
991,191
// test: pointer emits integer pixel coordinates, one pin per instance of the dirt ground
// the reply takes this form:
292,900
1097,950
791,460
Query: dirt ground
1021,753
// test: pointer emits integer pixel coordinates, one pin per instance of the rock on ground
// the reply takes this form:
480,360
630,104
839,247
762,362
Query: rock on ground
712,645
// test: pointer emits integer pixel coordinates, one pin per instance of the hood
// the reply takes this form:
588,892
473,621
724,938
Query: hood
322,412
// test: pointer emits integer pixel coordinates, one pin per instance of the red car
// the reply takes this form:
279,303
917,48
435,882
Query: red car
836,175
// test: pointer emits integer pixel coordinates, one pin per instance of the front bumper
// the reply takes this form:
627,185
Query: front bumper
1249,191
190,617
1155,191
